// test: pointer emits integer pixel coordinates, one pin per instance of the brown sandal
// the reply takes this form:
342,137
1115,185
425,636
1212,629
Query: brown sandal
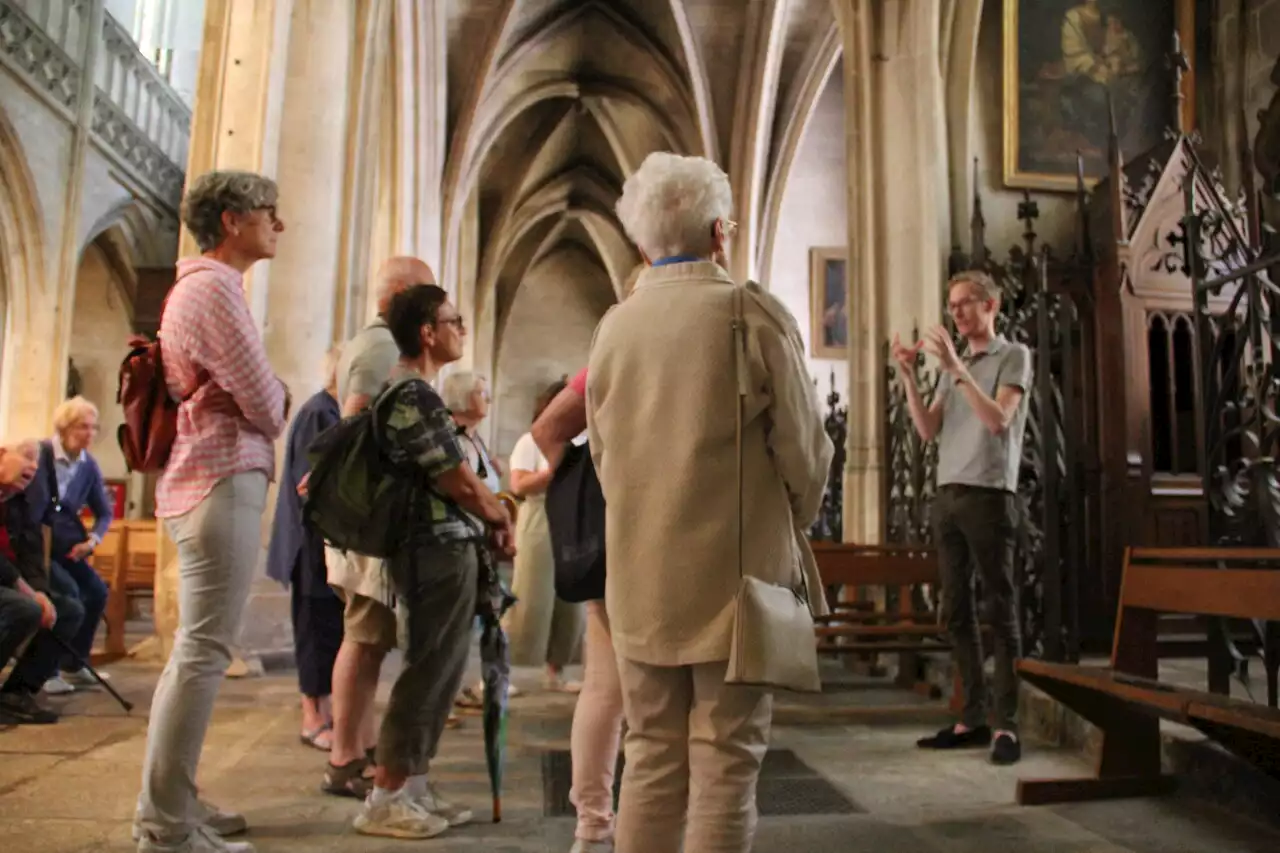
347,780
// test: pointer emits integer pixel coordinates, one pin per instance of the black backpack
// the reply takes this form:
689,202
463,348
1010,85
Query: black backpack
575,514
355,498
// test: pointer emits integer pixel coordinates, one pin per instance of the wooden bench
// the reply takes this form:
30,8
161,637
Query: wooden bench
126,561
1127,701
908,626
1185,636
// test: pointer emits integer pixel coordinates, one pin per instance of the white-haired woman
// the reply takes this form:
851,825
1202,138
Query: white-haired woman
212,493
544,630
295,558
466,394
68,482
661,414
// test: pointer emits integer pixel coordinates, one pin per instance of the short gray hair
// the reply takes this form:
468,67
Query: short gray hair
670,203
458,388
215,193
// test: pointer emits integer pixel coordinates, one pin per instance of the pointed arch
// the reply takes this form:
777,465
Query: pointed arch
817,72
22,279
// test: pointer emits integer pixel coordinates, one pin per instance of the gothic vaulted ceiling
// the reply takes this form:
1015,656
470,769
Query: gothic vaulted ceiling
553,103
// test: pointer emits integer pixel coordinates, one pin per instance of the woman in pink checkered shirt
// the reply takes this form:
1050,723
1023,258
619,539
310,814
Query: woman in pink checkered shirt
212,493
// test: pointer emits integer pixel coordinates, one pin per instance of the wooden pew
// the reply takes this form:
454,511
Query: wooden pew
126,561
856,628
1183,636
1127,701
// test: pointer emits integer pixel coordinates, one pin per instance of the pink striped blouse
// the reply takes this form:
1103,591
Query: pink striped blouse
210,343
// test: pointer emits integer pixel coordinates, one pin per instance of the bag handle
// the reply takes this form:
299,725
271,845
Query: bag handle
740,390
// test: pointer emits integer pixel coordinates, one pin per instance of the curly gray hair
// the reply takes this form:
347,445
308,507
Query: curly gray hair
215,193
669,204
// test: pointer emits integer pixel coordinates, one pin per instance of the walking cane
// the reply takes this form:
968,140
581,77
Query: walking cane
84,665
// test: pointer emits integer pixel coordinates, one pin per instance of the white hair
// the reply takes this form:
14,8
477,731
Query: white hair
458,388
71,412
670,204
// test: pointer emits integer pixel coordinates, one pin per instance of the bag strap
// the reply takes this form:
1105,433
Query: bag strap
50,462
741,390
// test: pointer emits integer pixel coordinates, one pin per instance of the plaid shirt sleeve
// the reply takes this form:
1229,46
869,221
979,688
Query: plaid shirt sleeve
233,354
421,428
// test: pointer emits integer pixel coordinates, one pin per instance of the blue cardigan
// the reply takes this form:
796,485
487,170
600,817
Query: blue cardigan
293,544
85,489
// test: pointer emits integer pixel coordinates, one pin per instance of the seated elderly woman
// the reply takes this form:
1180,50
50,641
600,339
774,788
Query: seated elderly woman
662,407
68,482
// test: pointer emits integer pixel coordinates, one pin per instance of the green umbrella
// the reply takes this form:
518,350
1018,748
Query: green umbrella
495,667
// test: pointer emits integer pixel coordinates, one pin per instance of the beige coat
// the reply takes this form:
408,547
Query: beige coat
661,416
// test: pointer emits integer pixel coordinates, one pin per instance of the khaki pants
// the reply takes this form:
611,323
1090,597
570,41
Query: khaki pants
219,544
694,748
597,728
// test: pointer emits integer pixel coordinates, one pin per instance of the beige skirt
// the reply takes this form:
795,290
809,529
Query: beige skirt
542,629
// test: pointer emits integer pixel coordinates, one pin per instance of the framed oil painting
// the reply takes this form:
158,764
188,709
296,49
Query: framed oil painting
1065,61
828,302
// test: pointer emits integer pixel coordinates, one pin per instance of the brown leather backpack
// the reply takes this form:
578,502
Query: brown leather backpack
150,412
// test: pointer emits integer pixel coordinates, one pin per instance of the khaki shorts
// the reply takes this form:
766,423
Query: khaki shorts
367,620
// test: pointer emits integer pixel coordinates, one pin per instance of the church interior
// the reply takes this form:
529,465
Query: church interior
1128,208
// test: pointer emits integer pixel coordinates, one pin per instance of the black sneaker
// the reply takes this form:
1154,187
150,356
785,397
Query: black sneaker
1007,749
949,738
21,709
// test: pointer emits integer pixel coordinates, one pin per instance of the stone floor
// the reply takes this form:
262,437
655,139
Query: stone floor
71,787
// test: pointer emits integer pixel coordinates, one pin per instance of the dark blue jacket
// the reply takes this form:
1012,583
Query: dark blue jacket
87,488
291,543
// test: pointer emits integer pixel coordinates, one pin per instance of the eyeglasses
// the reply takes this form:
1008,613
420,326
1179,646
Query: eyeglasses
270,210
457,322
954,307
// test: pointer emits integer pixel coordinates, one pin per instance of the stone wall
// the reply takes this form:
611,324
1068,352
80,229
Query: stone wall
547,336
100,325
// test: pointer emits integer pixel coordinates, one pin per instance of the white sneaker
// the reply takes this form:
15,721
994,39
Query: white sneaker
202,840
58,686
222,823
398,816
455,814
82,678
557,684
581,845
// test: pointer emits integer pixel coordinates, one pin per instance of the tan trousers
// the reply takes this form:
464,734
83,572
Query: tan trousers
597,728
694,748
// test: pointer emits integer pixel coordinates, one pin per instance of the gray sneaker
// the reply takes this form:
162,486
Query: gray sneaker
456,815
222,823
202,840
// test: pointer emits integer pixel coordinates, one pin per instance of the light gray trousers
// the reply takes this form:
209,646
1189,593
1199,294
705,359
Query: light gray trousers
219,543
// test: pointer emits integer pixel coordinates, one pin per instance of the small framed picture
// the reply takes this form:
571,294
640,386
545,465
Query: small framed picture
829,302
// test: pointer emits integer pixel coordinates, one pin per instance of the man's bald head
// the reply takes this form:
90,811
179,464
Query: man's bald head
399,273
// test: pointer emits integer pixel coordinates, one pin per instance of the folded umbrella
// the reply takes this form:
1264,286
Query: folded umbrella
495,667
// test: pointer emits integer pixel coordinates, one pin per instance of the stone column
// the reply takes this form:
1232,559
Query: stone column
299,318
898,216
235,125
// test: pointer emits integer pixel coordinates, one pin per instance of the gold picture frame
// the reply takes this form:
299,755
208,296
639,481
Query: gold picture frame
829,302
1026,19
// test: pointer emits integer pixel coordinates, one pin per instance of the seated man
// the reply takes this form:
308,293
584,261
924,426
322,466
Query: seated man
22,561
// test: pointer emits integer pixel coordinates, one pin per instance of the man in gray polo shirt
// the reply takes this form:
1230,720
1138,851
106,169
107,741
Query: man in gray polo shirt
978,416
